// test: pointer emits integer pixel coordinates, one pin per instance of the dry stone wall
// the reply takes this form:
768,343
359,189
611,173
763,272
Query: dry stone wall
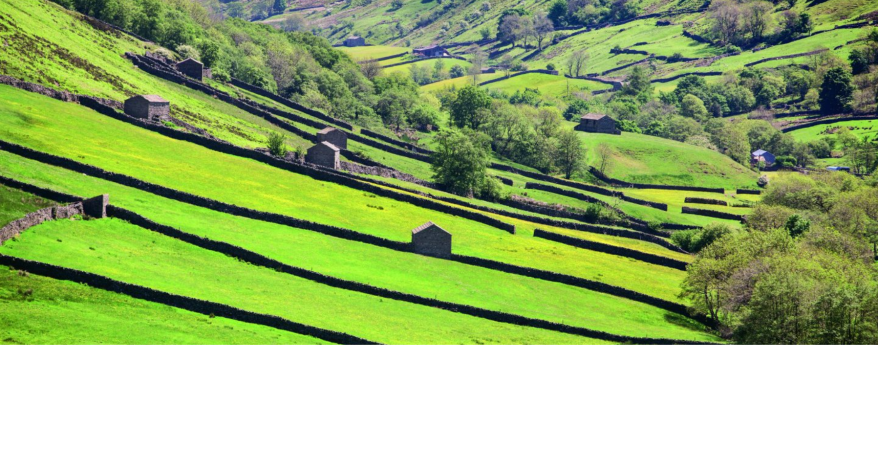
699,200
177,301
611,249
713,214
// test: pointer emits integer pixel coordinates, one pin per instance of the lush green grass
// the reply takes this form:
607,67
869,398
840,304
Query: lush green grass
116,249
51,46
40,310
123,148
372,52
859,128
378,266
15,203
648,159
547,84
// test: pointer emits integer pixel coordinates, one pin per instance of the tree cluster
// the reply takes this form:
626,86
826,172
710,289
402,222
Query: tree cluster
803,270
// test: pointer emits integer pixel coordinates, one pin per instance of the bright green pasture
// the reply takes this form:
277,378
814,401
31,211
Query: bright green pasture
127,253
40,310
675,200
459,82
406,69
648,159
372,52
365,263
79,58
867,129
547,84
123,148
15,203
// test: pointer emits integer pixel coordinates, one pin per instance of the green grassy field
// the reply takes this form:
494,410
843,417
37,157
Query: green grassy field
867,129
123,148
372,52
548,85
40,310
400,271
648,159
124,252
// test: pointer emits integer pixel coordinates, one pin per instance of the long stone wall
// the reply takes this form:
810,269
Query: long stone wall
177,301
713,214
700,200
746,191
611,249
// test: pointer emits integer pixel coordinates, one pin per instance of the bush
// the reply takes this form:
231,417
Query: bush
695,240
277,144
762,181
629,126
220,75
550,67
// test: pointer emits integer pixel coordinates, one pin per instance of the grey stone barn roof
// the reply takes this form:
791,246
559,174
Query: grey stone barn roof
331,146
592,116
760,152
428,225
327,129
152,98
190,60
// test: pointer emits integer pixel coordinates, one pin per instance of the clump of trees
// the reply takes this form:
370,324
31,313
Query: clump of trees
803,269
749,23
564,13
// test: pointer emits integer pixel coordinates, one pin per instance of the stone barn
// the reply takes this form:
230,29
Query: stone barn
431,240
355,41
147,106
431,51
598,123
334,136
323,154
191,68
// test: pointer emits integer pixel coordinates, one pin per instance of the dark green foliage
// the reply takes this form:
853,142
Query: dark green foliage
797,225
695,240
466,106
460,162
276,143
836,91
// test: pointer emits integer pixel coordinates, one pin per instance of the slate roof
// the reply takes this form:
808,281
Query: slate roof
326,130
192,60
593,116
760,152
334,148
153,98
427,225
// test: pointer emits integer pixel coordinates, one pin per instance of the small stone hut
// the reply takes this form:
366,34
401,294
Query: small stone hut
334,136
355,41
147,106
323,154
431,240
598,123
431,51
191,68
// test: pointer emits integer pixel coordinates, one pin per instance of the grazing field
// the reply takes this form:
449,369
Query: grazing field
40,310
126,149
648,159
361,53
87,61
862,129
133,255
547,84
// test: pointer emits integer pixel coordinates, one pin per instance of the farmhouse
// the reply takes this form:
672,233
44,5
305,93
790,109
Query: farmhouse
147,106
334,136
192,68
355,41
597,123
761,156
431,51
838,168
323,154
431,240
